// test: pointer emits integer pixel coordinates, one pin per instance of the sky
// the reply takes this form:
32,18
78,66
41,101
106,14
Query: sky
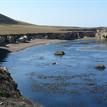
81,13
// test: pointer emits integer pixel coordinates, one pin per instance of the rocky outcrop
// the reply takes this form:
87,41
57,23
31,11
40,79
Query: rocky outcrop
8,88
10,96
59,53
63,36
15,38
101,34
100,67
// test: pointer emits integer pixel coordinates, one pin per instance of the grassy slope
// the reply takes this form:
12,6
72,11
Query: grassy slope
27,28
11,26
20,29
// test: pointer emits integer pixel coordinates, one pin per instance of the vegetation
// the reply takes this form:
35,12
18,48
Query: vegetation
11,26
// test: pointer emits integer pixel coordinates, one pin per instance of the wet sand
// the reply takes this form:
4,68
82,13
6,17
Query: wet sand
21,46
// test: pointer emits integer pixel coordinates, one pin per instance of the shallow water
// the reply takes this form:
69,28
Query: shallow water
72,82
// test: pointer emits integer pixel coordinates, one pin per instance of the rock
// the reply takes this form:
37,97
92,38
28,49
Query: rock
100,67
59,53
8,87
54,63
1,103
10,96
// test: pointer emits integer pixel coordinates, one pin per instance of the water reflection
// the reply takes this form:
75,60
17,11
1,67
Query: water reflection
3,54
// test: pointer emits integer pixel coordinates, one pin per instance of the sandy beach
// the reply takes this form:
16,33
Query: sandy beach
21,46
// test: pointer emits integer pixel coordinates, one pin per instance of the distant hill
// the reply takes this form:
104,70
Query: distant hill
6,20
12,26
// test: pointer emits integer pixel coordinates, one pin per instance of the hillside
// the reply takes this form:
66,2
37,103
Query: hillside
12,26
6,20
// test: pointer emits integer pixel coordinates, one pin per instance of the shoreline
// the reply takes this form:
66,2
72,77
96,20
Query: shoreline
10,95
35,42
12,47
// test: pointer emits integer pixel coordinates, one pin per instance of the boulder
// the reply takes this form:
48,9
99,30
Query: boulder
100,67
59,53
54,63
10,96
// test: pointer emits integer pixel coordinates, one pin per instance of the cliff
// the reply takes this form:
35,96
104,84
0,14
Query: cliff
101,34
9,94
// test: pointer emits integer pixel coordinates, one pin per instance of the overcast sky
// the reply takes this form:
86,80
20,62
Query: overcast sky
57,12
